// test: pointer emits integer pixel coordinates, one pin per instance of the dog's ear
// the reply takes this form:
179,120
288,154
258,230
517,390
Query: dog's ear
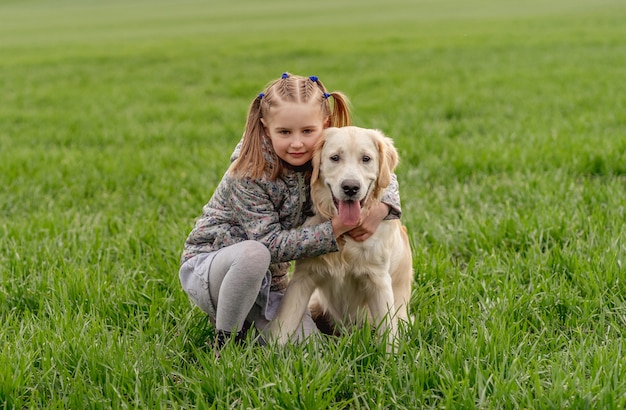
317,157
321,198
388,159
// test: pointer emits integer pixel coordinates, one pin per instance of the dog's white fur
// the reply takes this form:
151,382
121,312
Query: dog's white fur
369,280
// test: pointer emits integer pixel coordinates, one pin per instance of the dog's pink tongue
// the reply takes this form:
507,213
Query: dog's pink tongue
349,212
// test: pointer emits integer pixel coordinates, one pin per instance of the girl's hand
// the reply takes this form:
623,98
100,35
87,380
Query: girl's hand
369,222
339,228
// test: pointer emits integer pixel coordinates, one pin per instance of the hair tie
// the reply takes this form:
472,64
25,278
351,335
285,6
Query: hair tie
285,75
261,95
313,78
326,95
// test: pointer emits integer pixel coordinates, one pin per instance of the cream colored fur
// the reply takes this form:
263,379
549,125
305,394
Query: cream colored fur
369,280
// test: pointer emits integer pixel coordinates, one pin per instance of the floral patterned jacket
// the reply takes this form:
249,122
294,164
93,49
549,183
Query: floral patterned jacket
271,212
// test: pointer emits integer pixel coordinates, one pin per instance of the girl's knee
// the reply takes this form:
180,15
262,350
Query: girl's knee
256,253
253,256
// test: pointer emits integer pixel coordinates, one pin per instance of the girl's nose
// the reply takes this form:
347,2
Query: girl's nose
297,142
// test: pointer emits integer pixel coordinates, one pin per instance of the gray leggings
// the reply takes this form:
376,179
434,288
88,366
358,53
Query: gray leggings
235,278
226,284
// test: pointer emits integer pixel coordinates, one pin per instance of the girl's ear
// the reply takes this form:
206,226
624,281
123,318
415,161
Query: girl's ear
326,122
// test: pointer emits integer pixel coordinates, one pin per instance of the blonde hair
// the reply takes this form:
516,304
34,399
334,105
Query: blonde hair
252,161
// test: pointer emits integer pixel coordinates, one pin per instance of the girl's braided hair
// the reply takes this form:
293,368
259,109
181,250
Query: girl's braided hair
252,161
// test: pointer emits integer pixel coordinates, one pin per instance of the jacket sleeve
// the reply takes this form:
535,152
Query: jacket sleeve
258,218
391,197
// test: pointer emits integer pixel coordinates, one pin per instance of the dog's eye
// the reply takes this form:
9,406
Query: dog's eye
366,158
334,158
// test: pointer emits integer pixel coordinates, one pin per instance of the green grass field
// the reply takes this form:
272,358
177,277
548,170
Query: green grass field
117,119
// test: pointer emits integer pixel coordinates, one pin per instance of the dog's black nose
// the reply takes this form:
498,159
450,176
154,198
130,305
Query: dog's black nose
350,187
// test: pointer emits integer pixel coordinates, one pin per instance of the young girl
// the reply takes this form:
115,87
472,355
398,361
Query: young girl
236,259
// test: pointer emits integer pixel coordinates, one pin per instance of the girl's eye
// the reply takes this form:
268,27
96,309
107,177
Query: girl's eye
334,158
366,158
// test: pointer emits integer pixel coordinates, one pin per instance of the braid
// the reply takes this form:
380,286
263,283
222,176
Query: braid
309,88
285,88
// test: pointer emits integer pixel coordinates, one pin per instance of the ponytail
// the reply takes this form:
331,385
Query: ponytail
340,115
339,112
251,160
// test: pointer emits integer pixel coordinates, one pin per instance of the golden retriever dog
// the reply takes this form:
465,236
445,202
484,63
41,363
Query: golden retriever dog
369,280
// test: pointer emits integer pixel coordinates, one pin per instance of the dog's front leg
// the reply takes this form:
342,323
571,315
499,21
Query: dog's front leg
292,307
381,305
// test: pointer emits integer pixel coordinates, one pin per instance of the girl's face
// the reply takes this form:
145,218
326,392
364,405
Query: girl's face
294,129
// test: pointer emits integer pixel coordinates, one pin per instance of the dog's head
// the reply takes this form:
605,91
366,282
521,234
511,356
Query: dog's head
352,166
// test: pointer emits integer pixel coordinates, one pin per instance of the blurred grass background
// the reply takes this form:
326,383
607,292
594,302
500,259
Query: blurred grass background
117,120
